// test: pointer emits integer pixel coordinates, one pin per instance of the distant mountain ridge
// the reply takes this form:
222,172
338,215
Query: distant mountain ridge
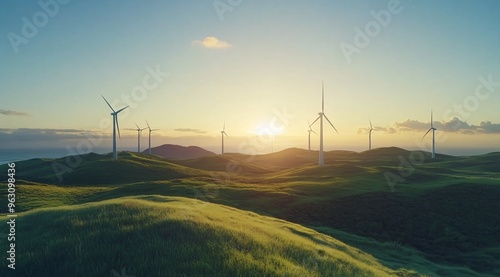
177,152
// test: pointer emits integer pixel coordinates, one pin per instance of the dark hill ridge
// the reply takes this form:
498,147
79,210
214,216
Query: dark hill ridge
177,152
95,169
225,163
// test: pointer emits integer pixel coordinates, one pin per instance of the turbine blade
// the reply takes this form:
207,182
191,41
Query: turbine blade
117,126
148,125
371,126
108,103
122,109
313,132
315,121
225,134
137,126
426,133
331,124
322,97
431,120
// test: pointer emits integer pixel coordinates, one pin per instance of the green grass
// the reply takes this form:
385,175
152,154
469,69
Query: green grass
444,217
169,236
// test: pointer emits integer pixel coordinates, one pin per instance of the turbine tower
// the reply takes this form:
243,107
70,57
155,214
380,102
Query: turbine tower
433,140
150,136
115,126
320,117
310,131
223,132
139,132
370,136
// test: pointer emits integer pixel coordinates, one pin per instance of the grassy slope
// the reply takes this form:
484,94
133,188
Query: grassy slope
446,208
93,169
170,236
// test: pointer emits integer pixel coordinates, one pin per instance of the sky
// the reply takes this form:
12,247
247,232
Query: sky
257,67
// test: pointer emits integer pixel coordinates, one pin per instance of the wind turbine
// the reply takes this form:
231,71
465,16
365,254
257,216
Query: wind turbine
310,131
115,126
370,135
150,136
139,132
223,132
433,140
320,117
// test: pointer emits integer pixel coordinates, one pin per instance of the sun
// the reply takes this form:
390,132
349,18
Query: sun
268,128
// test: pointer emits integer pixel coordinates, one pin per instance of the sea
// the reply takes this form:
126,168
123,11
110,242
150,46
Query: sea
15,155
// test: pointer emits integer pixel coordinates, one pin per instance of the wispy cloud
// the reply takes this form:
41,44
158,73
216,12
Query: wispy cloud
12,113
388,130
455,125
189,130
212,42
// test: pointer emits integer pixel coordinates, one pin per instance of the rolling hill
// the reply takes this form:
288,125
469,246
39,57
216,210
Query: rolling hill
443,213
169,236
95,169
177,152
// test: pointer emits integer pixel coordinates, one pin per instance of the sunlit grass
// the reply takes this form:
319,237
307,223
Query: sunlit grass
444,215
166,236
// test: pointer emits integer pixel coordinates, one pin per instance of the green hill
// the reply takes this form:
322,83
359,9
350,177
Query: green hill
444,213
94,169
169,236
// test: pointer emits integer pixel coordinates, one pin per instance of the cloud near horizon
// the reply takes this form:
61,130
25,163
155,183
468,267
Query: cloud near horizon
212,42
388,130
189,130
13,113
455,125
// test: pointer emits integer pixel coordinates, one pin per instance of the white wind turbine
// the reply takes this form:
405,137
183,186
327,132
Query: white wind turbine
150,135
370,135
139,133
433,140
310,131
320,117
115,126
223,132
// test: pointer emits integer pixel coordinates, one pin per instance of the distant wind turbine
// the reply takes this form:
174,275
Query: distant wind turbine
370,135
433,140
310,131
223,132
139,133
150,135
115,126
320,117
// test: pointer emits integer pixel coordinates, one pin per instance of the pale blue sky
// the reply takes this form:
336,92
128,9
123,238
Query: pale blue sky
430,55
